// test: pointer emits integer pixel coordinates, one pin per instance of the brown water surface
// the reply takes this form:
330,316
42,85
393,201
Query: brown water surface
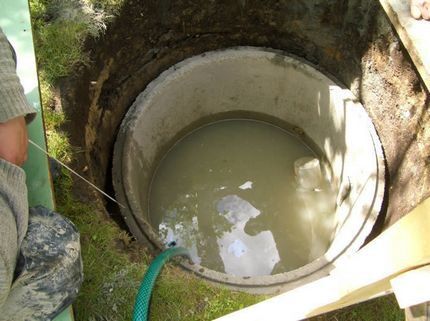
228,193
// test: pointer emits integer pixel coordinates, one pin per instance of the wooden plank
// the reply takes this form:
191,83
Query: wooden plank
413,287
402,247
419,312
413,34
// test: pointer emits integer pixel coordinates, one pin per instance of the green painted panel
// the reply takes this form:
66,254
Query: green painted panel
15,22
66,315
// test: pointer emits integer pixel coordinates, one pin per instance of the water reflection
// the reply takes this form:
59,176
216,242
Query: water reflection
242,253
182,233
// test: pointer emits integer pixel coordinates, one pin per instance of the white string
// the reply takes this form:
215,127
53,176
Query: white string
72,171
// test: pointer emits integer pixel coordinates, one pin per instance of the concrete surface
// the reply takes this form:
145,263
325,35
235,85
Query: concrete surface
265,84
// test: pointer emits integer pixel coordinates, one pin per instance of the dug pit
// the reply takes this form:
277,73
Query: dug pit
353,41
258,84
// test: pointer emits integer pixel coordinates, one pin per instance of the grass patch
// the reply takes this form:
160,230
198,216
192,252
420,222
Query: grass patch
61,28
181,296
62,44
112,7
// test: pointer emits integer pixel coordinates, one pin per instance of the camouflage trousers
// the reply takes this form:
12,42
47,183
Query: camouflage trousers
48,274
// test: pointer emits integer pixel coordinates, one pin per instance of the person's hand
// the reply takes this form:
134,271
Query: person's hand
420,9
14,141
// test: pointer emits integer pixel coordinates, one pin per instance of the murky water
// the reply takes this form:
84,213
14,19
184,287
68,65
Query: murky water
229,194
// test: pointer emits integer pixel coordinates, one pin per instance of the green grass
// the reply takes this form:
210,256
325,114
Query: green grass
62,44
61,28
59,44
110,6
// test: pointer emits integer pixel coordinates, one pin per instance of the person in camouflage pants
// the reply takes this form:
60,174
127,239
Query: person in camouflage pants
40,259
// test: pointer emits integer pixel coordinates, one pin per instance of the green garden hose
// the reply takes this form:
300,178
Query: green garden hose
141,306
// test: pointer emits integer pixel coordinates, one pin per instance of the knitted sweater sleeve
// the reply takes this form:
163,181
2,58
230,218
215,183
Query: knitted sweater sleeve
13,222
13,191
12,98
